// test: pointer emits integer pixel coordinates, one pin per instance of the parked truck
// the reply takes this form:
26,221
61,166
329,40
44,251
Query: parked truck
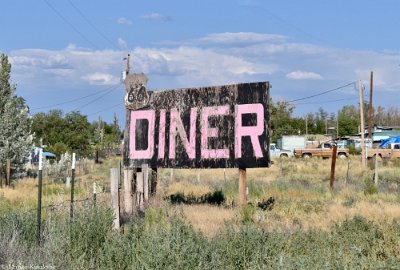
276,152
291,142
323,150
392,152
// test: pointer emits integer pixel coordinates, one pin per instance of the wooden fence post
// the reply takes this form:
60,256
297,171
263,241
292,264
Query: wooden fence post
128,199
114,197
72,186
94,194
242,186
39,207
8,172
1,175
333,166
376,171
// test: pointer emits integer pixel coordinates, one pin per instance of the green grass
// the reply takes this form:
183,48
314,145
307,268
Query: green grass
159,241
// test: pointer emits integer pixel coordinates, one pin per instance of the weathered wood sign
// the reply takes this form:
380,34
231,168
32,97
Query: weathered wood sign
207,127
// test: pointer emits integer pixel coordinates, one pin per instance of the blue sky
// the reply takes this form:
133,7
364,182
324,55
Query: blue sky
73,50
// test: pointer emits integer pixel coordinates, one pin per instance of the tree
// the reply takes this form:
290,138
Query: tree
15,132
349,119
282,122
60,133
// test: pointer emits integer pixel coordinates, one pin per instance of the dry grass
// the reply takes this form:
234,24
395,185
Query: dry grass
205,218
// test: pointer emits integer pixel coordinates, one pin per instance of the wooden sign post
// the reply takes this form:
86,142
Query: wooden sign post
208,127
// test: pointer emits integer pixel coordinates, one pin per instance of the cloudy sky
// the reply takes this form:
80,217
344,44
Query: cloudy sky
68,54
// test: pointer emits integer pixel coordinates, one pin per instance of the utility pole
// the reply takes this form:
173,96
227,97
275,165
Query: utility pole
337,125
370,106
128,64
326,126
306,125
362,124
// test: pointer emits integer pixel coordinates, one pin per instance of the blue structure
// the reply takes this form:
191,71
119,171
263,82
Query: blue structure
386,142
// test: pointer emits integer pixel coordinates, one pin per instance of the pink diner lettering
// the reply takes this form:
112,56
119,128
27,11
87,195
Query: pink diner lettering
149,115
176,126
252,131
207,132
161,135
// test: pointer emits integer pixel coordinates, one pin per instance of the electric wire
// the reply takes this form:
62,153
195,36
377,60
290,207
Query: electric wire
70,24
322,93
326,101
94,100
73,100
296,28
105,109
91,24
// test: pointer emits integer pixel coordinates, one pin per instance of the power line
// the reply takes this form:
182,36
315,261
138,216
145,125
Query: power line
326,101
322,93
105,109
73,100
70,24
298,29
94,100
91,24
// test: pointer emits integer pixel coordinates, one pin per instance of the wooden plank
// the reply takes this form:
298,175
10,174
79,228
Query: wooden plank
153,181
128,192
139,190
114,197
145,170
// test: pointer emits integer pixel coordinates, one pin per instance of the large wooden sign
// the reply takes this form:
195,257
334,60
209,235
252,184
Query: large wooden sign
207,127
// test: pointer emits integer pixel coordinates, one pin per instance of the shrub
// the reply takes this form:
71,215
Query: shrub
246,213
369,187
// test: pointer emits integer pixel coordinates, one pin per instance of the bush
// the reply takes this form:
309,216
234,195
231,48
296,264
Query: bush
369,187
215,197
161,242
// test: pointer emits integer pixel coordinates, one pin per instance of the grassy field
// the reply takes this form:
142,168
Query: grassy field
355,225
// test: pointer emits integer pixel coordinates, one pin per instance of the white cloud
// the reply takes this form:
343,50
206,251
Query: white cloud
295,70
157,17
122,43
123,20
241,38
303,75
101,79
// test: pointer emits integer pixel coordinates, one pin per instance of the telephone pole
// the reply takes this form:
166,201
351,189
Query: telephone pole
306,125
370,107
128,64
362,124
337,125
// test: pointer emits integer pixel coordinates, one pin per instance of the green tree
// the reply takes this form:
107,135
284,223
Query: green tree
60,133
282,122
15,132
349,119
